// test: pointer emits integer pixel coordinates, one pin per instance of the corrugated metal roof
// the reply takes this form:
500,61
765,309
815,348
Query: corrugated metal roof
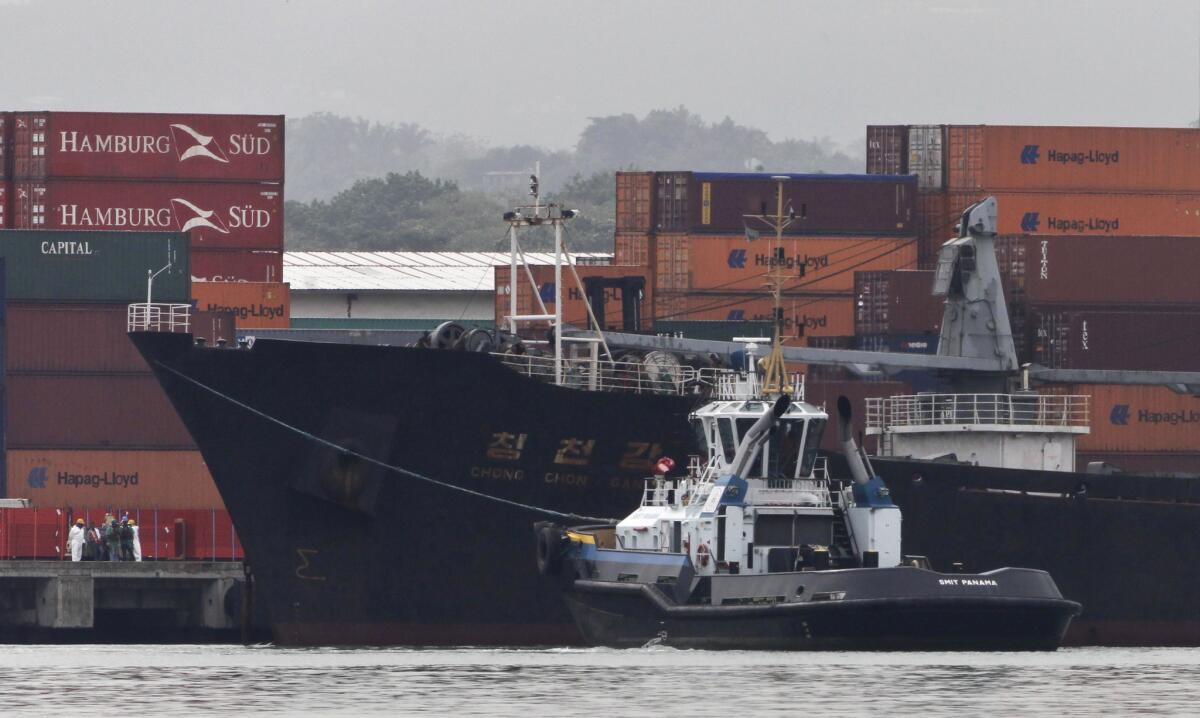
405,271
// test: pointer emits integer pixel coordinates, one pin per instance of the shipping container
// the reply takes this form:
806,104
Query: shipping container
614,282
106,267
1153,339
70,338
5,144
1146,419
125,145
934,227
225,215
237,265
823,204
163,533
4,213
713,330
672,263
985,157
1101,270
257,305
91,411
896,302
825,394
635,201
146,479
926,152
633,249
1094,213
887,149
804,315
812,264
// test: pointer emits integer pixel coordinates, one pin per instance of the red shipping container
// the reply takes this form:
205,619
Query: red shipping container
1086,213
217,215
984,157
91,411
70,338
887,149
635,201
123,145
214,326
1153,339
237,266
826,393
4,212
899,302
33,533
5,142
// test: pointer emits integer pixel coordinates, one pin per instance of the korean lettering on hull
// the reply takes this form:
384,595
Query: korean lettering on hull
217,215
101,145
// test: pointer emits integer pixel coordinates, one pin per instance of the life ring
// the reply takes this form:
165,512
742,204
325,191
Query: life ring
702,554
549,550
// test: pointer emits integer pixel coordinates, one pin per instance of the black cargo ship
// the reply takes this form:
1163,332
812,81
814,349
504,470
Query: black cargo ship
347,552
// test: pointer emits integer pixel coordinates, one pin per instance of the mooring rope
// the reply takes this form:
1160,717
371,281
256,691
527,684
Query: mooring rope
389,467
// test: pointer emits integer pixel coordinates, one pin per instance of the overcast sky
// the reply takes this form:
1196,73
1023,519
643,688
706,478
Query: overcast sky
533,72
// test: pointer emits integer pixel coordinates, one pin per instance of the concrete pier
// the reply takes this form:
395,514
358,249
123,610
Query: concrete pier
145,601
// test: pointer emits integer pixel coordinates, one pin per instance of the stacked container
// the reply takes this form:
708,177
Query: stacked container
689,229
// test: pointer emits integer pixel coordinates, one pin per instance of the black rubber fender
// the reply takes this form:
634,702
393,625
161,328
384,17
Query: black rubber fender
550,550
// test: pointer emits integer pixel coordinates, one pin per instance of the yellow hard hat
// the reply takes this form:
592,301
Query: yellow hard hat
131,522
79,521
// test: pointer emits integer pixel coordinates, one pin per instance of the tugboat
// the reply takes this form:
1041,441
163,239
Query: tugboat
756,547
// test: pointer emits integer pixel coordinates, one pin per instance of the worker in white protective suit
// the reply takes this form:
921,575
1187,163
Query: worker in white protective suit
75,538
137,541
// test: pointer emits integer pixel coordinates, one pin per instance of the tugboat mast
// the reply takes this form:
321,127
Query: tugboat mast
774,370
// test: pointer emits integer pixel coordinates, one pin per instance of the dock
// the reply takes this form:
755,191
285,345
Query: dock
128,602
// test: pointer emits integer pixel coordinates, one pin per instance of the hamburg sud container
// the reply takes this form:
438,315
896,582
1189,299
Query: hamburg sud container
225,215
1102,270
1086,213
896,302
635,201
1093,338
823,204
91,411
984,157
122,145
262,265
256,305
814,264
145,479
804,315
615,279
1138,418
58,266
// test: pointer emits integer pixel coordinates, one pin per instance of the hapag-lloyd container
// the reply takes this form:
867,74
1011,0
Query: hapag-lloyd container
70,338
124,145
987,157
217,215
635,201
813,264
1101,270
226,265
1089,213
823,204
1138,418
804,315
256,305
91,411
61,266
616,277
146,479
1153,339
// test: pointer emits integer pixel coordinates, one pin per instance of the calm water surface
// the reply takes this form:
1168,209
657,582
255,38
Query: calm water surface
179,680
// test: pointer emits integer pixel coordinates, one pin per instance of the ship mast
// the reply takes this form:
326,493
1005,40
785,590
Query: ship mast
774,370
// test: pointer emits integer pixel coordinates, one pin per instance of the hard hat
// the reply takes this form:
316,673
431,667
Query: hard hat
79,521
132,521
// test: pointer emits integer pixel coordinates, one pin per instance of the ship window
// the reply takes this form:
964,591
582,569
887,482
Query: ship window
701,436
755,468
728,440
785,448
812,444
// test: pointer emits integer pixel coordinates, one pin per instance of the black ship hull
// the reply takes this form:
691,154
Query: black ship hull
348,552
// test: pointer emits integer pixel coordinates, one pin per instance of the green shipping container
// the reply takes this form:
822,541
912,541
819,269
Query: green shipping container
62,266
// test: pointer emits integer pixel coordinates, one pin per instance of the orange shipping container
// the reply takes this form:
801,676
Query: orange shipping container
633,249
828,264
149,479
1073,158
256,305
635,201
1095,213
803,315
1139,419
574,308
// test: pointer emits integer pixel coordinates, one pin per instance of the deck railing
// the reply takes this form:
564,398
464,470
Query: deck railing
152,317
602,375
932,410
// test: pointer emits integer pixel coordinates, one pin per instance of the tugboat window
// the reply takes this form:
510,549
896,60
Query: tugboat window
701,437
812,443
728,440
743,426
785,449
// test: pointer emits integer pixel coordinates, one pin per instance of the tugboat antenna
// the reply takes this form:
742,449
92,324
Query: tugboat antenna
774,371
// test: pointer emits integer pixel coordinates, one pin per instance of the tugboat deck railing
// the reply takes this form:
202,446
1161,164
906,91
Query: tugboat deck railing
931,411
